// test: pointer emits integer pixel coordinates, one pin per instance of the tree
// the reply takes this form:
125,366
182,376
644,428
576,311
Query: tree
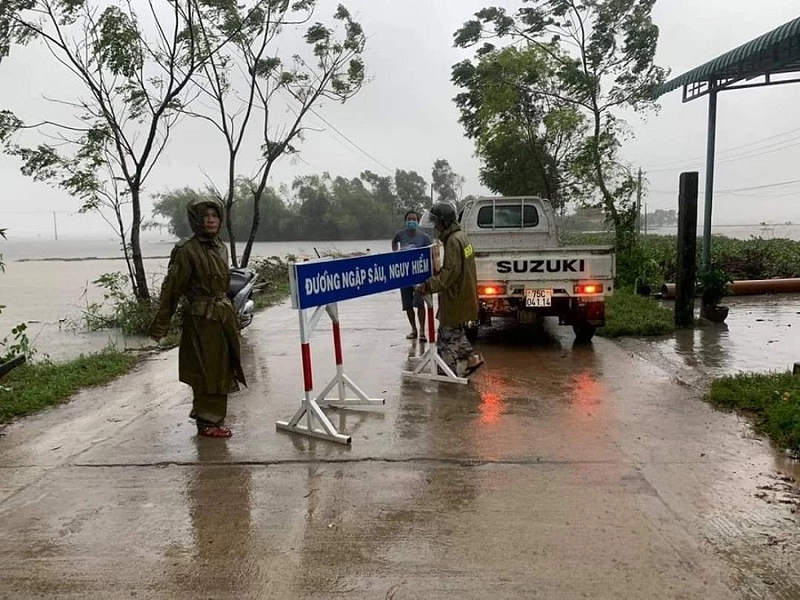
171,205
331,70
316,210
411,190
605,51
135,85
526,139
382,208
446,182
317,207
463,203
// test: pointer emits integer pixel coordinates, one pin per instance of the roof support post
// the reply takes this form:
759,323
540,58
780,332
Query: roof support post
710,160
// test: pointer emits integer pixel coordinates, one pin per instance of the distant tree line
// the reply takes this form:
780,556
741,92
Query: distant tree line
320,207
595,219
662,218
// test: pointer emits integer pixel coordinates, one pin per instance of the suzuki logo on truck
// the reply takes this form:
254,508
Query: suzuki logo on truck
561,265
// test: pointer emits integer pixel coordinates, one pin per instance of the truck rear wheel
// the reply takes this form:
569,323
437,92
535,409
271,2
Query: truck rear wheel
584,333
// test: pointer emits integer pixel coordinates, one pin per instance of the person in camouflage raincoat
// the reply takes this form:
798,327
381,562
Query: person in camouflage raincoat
457,287
209,356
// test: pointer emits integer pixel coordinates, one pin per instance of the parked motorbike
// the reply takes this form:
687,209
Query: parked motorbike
241,294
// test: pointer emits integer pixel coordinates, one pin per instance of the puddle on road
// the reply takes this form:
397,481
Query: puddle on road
760,334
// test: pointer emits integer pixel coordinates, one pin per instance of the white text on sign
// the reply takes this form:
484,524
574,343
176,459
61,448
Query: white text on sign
325,282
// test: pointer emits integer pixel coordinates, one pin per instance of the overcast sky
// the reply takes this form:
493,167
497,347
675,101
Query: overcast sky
405,117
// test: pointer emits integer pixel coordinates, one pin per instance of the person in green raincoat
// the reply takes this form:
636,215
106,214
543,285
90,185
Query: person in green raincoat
209,356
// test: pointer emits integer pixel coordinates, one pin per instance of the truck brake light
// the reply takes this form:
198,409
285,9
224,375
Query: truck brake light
585,289
491,290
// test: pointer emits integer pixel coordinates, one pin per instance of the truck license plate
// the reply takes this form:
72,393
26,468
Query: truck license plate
538,298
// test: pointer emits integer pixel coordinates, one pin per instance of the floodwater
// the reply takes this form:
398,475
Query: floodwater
48,285
760,334
560,471
51,295
789,231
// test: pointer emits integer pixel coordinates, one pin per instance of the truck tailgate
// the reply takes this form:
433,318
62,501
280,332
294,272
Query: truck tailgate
546,264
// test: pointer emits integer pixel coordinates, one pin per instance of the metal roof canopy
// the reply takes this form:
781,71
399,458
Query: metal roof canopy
773,58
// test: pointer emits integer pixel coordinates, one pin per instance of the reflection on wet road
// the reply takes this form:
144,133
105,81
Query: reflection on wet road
561,471
760,334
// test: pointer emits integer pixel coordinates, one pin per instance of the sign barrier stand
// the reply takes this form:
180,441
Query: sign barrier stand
317,424
320,285
430,363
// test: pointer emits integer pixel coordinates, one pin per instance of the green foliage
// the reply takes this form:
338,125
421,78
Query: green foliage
604,50
754,258
713,285
411,190
525,138
120,310
628,315
772,400
134,87
446,182
584,219
273,275
329,67
662,218
17,344
33,387
594,219
117,43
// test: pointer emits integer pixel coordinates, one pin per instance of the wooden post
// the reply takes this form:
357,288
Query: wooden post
687,250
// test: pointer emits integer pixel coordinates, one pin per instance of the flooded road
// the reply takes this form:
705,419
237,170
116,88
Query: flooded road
561,471
760,334
49,287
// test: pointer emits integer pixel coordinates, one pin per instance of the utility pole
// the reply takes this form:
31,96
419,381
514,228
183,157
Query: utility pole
55,225
687,249
639,203
645,218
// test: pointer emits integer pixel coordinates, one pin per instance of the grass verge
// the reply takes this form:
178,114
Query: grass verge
629,315
272,296
771,400
31,388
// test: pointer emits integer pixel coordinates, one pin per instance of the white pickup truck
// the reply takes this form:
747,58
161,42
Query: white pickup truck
524,273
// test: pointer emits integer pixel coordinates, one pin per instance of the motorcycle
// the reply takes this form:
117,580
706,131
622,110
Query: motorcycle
241,294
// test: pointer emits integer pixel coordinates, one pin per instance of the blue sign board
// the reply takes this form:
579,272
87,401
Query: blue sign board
322,282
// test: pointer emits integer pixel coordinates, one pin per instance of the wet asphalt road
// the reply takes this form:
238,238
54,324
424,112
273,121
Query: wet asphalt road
562,471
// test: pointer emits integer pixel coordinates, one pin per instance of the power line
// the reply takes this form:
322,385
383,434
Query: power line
359,148
733,149
351,142
735,190
38,212
674,165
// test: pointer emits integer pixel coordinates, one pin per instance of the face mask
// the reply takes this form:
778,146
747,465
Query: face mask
411,225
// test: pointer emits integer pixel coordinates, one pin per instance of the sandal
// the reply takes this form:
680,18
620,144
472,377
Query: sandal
216,431
471,369
412,335
423,338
